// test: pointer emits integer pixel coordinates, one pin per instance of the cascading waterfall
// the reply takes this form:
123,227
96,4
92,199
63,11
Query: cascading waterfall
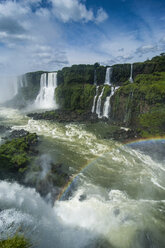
19,82
15,86
45,98
98,106
131,74
106,108
108,76
94,100
107,104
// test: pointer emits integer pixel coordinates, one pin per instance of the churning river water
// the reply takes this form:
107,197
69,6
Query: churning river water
115,199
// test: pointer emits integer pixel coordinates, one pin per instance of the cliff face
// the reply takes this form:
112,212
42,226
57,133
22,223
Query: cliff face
75,96
28,86
142,104
80,74
31,82
79,96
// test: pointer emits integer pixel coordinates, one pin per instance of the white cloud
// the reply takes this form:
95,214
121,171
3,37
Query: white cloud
34,40
74,10
13,9
101,16
146,49
28,40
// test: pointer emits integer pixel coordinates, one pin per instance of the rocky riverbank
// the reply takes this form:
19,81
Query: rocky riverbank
19,157
65,116
111,131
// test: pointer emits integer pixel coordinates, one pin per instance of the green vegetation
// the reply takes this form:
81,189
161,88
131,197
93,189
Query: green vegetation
107,91
100,74
15,242
76,74
16,154
141,104
75,96
120,73
153,122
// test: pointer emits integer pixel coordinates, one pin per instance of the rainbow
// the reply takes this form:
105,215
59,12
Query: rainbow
156,138
73,179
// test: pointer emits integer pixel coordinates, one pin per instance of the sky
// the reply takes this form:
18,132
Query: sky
51,34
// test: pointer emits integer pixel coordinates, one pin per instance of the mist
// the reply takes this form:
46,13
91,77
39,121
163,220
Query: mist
8,87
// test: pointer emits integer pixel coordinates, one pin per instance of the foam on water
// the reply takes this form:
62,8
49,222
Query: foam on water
11,116
75,222
75,136
119,197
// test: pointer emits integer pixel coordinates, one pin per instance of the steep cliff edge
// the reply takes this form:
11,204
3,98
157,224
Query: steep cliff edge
28,86
141,104
138,103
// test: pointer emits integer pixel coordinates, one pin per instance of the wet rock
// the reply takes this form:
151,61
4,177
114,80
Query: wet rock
125,134
99,243
147,239
116,212
4,129
64,116
82,197
18,134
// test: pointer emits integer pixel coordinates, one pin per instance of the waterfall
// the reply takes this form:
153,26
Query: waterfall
107,104
15,86
19,82
94,100
131,73
95,78
45,98
98,106
108,76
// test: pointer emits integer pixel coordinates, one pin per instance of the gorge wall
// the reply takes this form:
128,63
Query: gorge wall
26,87
142,104
131,98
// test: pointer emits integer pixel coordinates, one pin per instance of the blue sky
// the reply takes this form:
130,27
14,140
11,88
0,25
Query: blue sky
51,34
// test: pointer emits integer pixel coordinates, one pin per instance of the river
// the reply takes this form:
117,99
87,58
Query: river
115,199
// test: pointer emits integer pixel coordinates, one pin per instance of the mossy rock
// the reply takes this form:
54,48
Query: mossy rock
15,242
153,122
75,96
78,74
16,154
134,99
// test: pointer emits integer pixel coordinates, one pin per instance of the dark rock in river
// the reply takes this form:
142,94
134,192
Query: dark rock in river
18,134
4,129
64,116
124,134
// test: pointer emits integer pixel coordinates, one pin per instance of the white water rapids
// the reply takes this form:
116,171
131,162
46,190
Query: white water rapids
117,201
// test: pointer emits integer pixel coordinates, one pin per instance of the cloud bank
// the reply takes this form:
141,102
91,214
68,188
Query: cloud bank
51,34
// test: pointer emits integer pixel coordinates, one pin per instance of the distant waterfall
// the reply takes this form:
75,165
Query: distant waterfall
131,74
94,100
19,82
95,78
98,106
15,86
107,104
48,84
108,76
